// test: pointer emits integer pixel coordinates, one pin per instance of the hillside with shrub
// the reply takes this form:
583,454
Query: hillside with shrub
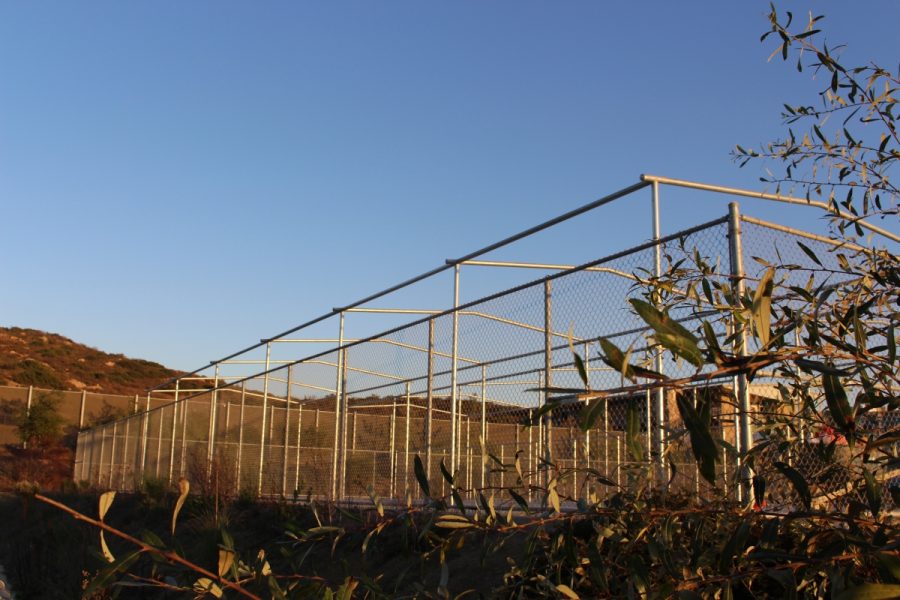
51,361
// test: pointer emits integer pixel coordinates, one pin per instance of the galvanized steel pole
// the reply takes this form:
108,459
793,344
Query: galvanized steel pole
660,406
338,387
146,435
735,248
548,373
213,416
345,411
392,457
175,406
287,428
81,410
454,442
262,429
429,408
240,448
484,439
406,445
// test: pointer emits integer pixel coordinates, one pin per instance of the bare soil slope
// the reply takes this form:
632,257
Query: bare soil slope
49,360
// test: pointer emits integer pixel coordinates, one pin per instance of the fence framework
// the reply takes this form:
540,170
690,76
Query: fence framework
462,388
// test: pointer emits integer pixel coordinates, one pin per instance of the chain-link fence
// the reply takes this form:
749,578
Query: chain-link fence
464,392
77,409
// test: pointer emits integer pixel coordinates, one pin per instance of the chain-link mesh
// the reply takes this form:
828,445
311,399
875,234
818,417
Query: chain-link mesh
463,394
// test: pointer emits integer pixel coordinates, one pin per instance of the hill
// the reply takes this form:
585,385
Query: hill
48,360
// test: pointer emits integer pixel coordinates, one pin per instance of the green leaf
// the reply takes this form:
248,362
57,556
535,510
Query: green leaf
590,412
891,345
809,253
553,495
798,481
519,499
567,591
226,559
761,310
633,432
669,333
702,443
873,492
420,476
451,521
734,546
446,473
184,487
814,365
106,500
836,398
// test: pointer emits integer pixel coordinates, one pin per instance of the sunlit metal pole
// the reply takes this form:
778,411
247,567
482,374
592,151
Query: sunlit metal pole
240,448
262,429
287,428
392,458
112,454
548,373
175,406
406,444
660,405
146,435
345,411
299,439
454,442
484,439
429,394
213,416
81,410
339,382
740,342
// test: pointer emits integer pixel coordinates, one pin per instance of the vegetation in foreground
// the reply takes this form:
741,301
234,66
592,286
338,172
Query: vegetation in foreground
831,342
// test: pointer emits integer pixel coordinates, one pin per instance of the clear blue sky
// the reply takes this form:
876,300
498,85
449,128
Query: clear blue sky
180,179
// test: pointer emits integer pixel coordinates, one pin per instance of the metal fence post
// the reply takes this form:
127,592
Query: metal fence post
240,448
100,462
90,471
345,411
262,429
406,444
184,432
172,441
213,417
81,409
299,436
548,373
287,428
740,342
392,457
338,393
484,439
125,452
112,454
159,439
660,433
429,409
145,433
454,441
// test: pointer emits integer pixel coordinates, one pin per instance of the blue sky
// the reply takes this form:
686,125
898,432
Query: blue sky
180,179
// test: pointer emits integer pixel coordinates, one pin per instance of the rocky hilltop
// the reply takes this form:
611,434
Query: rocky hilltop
49,360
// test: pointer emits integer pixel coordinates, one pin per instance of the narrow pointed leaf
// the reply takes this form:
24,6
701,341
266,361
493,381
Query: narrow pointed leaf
797,481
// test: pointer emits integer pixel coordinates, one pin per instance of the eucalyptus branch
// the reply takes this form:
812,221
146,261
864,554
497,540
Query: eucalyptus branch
145,547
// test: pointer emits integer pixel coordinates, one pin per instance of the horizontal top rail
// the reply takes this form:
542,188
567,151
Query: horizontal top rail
721,189
646,180
449,264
